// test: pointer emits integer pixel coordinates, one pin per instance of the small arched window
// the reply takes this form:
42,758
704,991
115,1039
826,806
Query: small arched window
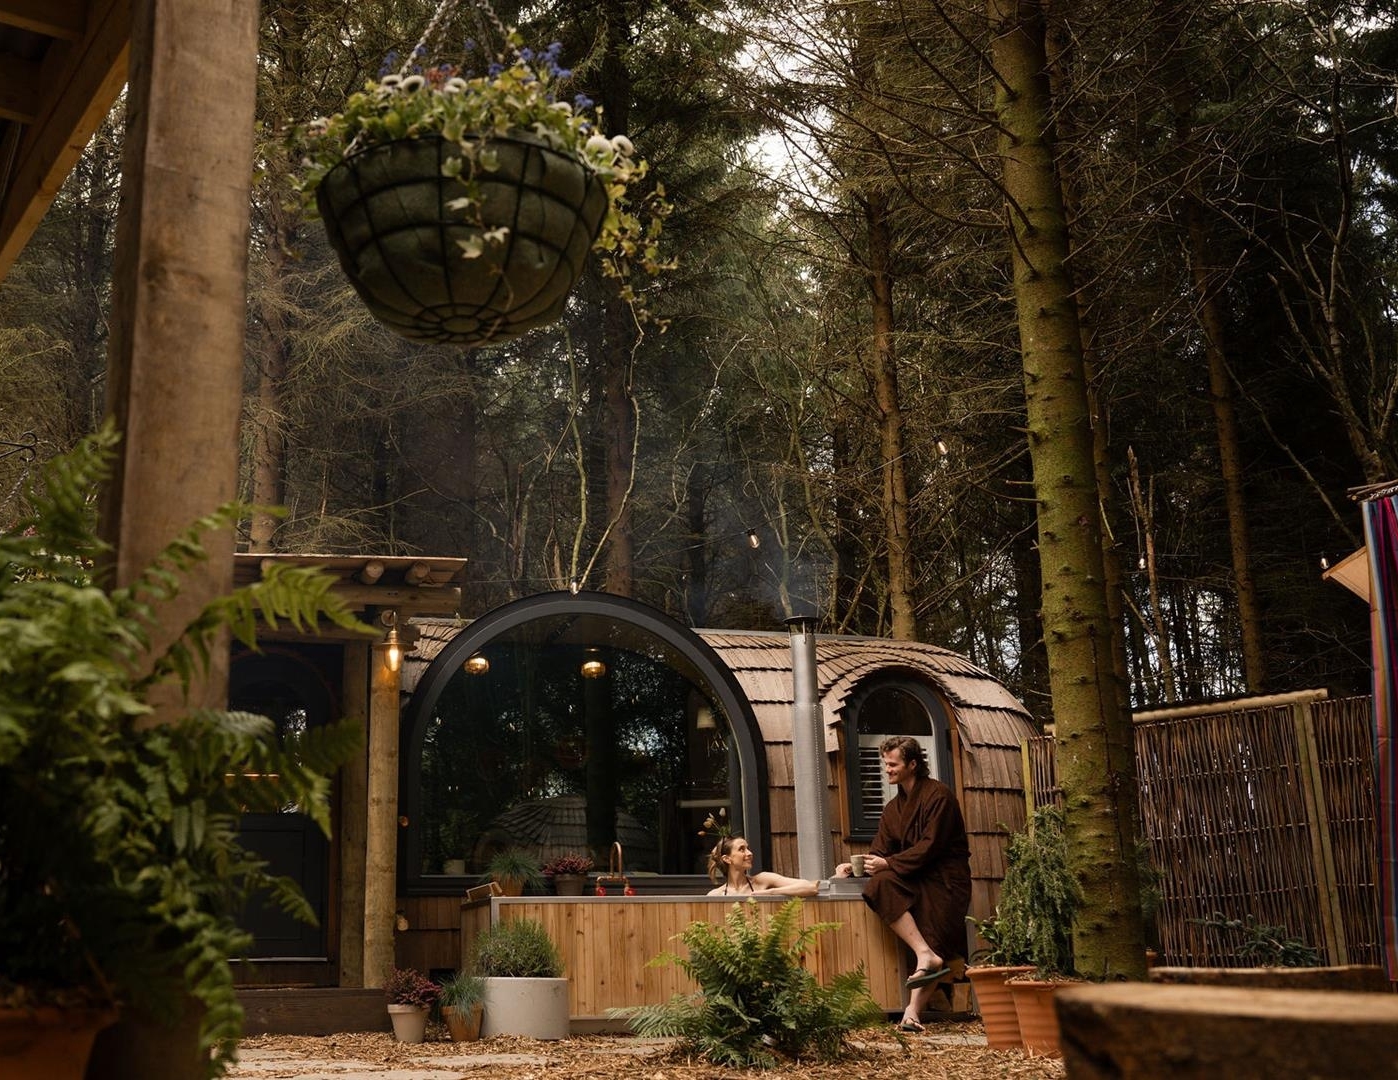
884,707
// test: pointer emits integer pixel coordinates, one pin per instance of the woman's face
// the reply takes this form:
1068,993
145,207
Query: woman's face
740,855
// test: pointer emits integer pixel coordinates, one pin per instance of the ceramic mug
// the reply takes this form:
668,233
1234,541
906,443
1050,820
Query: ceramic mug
856,863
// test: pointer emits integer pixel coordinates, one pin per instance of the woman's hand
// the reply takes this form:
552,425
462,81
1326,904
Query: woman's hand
844,869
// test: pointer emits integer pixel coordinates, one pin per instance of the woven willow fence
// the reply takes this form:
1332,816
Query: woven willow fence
1265,813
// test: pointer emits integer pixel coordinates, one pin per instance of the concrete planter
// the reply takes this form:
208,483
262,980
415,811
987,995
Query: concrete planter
536,1008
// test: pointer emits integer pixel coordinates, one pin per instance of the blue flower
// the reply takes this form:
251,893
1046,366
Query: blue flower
494,70
390,61
581,102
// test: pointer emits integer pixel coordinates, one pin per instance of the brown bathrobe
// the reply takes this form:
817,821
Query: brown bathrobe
923,838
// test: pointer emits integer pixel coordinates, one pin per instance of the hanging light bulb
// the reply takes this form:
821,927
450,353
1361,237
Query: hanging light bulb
754,541
573,586
476,664
592,666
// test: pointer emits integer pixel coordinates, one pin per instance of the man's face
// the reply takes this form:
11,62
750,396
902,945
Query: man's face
895,769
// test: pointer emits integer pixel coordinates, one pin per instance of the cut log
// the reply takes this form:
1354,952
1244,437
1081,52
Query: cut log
1132,1031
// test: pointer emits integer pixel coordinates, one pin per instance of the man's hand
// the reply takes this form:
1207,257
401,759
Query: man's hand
874,863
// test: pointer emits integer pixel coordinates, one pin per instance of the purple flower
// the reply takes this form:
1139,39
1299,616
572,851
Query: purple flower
581,102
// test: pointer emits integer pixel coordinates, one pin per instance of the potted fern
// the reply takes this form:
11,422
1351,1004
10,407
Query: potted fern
121,876
526,992
462,206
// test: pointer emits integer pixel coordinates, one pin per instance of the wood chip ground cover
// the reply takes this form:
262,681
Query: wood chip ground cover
954,1051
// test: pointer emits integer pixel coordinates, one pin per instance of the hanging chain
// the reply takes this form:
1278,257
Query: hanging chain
445,9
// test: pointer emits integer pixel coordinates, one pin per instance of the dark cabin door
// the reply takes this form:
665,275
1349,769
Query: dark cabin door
293,689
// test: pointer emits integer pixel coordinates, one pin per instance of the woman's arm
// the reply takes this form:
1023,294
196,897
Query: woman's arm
783,886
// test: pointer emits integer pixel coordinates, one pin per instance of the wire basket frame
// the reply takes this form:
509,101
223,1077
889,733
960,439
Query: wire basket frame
386,215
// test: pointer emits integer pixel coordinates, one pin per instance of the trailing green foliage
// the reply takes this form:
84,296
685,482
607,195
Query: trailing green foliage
1040,894
757,1004
121,875
518,949
1259,944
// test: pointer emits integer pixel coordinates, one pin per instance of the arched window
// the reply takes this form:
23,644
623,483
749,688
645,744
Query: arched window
884,707
563,723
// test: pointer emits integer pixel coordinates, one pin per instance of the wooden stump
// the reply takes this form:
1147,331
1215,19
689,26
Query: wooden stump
1131,1031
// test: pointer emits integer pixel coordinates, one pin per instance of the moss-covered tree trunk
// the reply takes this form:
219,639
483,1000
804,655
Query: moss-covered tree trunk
1096,759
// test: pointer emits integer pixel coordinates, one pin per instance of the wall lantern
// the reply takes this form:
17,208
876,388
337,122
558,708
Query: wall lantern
704,718
476,664
392,651
592,666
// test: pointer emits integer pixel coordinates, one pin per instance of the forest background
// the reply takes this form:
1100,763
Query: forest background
829,404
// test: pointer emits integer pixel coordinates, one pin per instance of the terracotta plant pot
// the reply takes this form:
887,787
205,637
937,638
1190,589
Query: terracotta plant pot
996,1006
1038,1021
569,884
463,1026
409,1022
386,215
49,1043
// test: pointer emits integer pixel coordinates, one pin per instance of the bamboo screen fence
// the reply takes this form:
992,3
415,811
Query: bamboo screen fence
1264,813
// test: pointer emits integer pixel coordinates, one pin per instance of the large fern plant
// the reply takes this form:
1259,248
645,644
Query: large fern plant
756,1003
121,875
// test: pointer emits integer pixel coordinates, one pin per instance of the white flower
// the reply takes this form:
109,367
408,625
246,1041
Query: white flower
622,145
599,146
412,84
454,85
390,82
563,107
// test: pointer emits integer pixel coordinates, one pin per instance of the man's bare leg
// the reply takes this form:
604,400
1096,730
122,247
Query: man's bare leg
905,929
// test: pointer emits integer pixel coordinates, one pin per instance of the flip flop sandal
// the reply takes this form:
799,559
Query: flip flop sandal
911,1027
923,976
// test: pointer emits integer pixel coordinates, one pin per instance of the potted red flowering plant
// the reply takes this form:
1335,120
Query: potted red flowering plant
568,873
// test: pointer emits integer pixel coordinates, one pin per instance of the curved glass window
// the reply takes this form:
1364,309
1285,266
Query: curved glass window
553,727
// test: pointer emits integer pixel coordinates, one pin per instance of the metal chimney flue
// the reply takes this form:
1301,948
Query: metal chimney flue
808,751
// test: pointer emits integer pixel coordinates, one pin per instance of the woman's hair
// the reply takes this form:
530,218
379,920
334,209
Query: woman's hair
913,754
718,870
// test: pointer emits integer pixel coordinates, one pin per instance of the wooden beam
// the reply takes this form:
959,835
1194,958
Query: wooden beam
62,19
417,573
87,75
354,816
19,90
175,357
373,570
441,600
381,822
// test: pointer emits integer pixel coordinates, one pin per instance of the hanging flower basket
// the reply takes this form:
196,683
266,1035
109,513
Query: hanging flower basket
432,272
462,207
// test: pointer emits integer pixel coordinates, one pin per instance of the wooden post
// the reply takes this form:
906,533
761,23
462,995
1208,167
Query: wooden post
1332,921
175,360
381,821
354,817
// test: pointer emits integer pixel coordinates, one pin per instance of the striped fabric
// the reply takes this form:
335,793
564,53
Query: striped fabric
1381,538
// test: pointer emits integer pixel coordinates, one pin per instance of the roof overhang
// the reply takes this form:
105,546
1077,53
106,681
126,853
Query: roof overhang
62,65
1352,572
409,584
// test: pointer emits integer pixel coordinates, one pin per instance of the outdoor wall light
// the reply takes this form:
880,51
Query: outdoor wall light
592,666
476,664
704,719
392,650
